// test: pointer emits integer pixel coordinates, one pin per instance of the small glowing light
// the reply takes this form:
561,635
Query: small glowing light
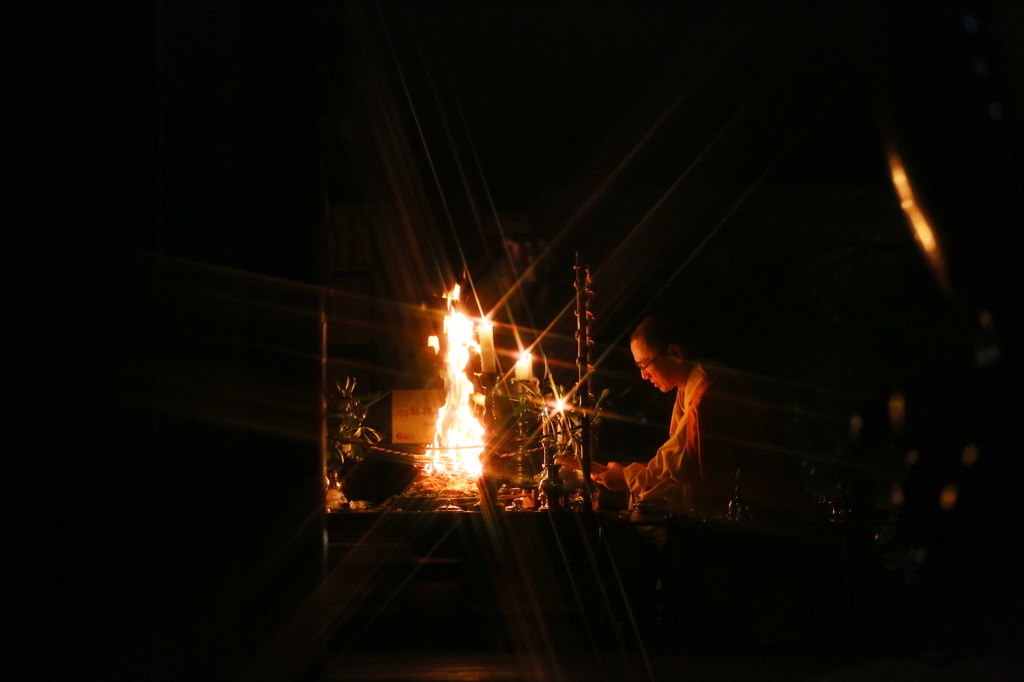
897,411
897,497
560,404
856,424
985,319
947,500
970,455
432,342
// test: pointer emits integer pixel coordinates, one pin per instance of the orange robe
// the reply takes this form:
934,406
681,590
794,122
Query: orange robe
720,429
675,473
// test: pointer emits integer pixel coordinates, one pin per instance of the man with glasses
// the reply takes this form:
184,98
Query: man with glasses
719,429
696,469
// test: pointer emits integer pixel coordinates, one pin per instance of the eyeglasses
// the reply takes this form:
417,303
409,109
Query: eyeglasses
643,367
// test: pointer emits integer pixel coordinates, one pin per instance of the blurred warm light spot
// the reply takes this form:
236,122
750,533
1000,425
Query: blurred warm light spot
912,457
985,320
970,455
987,351
432,342
897,411
856,424
897,497
947,500
915,216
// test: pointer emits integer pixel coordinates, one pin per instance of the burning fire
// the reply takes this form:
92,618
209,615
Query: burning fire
459,438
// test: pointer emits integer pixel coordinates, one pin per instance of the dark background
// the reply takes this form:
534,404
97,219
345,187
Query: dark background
172,244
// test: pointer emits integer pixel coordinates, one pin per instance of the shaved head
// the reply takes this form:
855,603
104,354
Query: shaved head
658,331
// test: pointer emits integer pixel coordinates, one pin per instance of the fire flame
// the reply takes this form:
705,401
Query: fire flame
459,438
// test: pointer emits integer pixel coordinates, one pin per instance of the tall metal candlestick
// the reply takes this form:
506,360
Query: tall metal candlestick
545,429
583,365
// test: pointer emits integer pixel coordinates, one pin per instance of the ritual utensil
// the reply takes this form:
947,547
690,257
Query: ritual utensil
552,488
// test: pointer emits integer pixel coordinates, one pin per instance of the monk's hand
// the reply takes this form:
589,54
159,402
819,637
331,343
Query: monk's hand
611,477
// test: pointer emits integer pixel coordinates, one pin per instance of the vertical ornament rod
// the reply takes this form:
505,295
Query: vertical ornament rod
584,387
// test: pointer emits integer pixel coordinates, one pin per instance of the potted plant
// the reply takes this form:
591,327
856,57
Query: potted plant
347,437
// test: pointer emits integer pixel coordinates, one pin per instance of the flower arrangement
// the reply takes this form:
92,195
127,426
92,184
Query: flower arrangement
347,437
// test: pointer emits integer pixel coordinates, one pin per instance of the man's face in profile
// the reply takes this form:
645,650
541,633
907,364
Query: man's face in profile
651,363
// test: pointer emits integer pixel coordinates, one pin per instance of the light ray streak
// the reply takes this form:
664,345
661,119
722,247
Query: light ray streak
613,175
422,137
517,286
671,189
693,164
620,168
732,210
919,223
460,168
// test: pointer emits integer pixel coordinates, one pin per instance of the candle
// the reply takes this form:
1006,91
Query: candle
487,363
524,367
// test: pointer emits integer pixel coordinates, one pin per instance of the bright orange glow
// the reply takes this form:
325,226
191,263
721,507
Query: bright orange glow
947,500
897,411
459,438
856,424
432,342
915,216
